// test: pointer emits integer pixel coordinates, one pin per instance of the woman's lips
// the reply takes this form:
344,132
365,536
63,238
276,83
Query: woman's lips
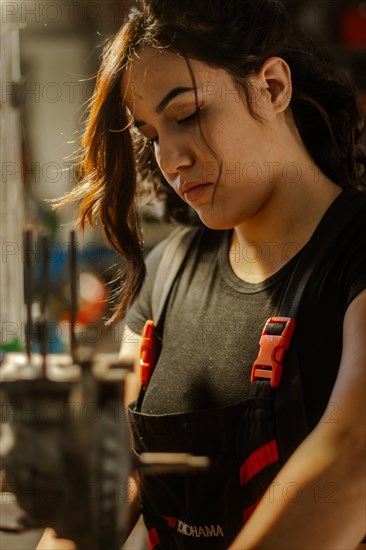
193,192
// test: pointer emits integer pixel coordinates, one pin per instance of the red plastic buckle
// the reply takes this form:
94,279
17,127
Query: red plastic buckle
147,353
268,364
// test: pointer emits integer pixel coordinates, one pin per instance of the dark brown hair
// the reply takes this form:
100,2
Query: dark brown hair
237,36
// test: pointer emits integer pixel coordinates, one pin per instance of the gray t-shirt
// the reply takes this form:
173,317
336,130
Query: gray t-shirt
214,321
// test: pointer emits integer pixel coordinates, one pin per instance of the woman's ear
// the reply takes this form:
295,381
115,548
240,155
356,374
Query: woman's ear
274,79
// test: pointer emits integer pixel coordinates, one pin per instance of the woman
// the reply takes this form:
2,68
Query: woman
235,116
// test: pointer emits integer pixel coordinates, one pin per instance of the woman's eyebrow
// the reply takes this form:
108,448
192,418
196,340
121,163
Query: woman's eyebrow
170,96
165,101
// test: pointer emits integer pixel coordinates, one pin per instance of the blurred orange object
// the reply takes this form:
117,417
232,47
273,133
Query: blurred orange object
93,296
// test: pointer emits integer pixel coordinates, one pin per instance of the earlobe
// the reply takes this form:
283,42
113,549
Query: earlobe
275,76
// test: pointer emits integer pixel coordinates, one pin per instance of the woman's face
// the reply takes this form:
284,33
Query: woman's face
189,149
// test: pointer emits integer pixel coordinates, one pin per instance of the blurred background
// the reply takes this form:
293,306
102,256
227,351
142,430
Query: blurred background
50,50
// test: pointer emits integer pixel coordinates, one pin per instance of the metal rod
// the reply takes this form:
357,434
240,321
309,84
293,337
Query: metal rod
171,463
44,296
28,289
74,294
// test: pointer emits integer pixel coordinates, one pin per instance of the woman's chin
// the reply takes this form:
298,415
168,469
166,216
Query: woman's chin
218,224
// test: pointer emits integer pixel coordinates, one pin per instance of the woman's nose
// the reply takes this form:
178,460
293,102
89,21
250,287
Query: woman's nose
172,157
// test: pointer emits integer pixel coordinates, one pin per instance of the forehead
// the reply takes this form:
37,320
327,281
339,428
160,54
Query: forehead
153,72
150,65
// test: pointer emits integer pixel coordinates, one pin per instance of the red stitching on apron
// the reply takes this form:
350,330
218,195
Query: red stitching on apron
262,457
172,522
153,538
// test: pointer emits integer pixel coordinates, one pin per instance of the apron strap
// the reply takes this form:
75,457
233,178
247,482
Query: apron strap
317,251
290,413
171,264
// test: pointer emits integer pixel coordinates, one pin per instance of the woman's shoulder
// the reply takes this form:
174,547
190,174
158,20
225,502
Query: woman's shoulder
353,236
343,224
179,241
343,269
163,262
166,247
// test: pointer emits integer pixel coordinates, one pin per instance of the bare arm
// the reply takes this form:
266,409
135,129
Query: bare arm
318,498
130,350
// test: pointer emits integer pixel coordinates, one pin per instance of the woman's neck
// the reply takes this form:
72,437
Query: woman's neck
263,244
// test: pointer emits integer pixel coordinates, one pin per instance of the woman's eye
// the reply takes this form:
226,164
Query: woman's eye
186,120
190,117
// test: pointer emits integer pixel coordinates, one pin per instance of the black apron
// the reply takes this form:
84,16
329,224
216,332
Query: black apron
209,508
